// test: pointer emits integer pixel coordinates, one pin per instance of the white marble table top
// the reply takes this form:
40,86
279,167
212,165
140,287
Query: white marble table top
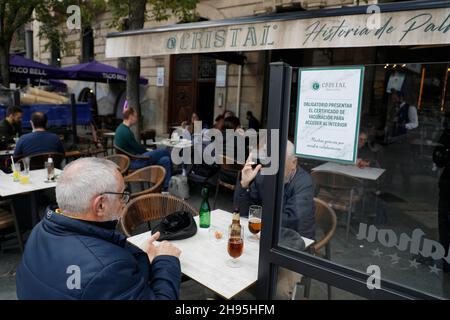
367,173
6,152
109,134
37,182
204,258
182,143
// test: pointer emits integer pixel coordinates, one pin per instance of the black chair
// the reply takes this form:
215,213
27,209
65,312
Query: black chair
8,219
37,161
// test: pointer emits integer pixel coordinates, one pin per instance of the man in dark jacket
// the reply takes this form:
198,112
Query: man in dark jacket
11,126
124,139
76,252
441,157
298,204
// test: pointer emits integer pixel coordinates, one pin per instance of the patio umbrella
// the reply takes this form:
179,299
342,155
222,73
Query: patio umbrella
98,72
24,68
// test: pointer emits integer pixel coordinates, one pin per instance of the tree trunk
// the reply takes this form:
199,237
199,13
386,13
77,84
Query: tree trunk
4,63
133,64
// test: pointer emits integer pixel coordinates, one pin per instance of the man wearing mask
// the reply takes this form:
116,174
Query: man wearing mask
76,253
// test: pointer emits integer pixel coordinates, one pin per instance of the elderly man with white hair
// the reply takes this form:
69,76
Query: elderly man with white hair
75,252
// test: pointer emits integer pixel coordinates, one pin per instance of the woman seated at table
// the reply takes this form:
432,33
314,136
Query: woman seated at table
367,151
125,139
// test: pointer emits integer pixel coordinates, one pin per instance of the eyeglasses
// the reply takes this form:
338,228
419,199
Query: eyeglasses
125,196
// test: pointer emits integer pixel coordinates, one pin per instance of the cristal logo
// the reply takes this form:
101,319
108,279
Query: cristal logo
316,86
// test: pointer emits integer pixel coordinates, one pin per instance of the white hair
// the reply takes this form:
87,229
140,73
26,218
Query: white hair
82,180
290,150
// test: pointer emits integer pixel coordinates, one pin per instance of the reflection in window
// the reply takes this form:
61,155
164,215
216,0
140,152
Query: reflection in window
398,220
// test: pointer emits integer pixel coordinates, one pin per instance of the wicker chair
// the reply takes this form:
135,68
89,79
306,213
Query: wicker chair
104,140
90,148
230,169
131,156
150,179
151,207
326,221
9,219
341,192
37,161
122,161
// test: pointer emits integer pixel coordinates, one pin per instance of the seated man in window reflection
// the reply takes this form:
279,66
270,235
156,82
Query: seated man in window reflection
367,151
298,205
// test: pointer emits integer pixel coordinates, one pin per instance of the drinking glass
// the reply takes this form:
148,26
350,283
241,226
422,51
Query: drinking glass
26,164
254,222
235,246
16,172
25,177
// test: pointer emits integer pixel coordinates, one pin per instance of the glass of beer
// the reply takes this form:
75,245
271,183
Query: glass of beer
235,246
254,222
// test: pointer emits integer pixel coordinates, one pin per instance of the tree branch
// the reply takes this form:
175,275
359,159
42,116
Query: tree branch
22,19
2,19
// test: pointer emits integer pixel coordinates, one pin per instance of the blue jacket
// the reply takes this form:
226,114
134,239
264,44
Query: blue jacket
298,202
61,250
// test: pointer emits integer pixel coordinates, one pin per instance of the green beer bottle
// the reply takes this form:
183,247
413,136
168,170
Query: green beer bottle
205,210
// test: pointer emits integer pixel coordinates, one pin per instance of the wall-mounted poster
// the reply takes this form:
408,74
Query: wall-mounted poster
160,77
328,113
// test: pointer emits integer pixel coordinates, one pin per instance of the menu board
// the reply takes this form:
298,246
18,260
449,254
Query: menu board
328,112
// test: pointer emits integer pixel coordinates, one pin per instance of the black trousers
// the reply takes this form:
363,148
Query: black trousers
444,226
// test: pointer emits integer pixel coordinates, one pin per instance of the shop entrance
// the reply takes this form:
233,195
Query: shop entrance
192,86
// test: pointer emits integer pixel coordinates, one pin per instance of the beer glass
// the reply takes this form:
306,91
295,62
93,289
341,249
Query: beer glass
235,246
254,222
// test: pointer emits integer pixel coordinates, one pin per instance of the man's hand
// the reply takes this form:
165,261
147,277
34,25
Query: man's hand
165,248
362,163
248,173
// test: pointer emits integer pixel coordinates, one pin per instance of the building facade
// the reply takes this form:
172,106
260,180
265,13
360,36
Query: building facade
188,82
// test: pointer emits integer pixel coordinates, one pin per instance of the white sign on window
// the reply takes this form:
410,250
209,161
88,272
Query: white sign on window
328,113
160,77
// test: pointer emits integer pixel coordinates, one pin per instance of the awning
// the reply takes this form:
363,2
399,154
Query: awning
98,72
24,68
396,24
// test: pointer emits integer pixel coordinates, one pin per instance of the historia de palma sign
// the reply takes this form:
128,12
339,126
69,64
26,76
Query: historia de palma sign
328,112
388,29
